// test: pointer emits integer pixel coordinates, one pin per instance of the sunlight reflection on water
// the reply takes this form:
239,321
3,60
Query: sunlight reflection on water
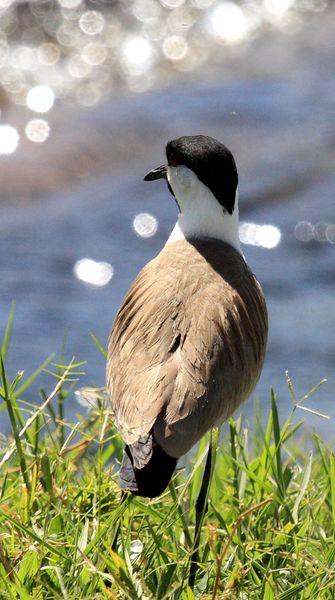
145,225
229,22
93,272
70,52
37,130
40,98
266,236
9,139
273,113
305,231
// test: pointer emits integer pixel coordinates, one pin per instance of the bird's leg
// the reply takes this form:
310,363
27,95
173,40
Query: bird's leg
202,502
123,498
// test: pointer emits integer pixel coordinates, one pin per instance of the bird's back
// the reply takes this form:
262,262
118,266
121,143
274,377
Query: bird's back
187,345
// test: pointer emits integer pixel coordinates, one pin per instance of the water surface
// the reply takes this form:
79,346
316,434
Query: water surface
277,116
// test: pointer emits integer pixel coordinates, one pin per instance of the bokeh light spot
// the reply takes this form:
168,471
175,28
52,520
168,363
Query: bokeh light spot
93,272
303,231
9,139
22,57
266,236
48,54
94,53
78,67
137,54
145,225
92,22
37,130
40,98
229,22
175,47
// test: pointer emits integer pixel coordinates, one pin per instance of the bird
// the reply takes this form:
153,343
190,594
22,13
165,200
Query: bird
188,343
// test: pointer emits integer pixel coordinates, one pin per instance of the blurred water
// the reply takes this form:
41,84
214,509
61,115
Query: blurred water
279,123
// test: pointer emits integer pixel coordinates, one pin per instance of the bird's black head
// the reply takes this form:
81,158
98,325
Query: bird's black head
211,161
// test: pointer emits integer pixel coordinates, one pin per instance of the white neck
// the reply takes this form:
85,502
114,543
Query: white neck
201,215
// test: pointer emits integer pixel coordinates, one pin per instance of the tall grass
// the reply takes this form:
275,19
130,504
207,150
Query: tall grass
66,533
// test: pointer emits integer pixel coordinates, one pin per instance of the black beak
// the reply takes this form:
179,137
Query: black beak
158,173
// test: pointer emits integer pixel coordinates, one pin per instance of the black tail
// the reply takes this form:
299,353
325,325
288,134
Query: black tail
153,473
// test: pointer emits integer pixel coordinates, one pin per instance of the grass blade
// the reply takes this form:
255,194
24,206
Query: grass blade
8,332
98,345
304,484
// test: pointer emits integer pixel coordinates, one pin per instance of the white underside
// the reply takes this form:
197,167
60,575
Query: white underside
201,215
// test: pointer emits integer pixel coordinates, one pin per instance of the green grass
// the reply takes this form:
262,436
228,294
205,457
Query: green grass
66,533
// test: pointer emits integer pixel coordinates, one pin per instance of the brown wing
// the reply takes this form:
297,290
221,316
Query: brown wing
187,344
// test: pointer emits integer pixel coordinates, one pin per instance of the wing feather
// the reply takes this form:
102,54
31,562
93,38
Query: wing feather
187,344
